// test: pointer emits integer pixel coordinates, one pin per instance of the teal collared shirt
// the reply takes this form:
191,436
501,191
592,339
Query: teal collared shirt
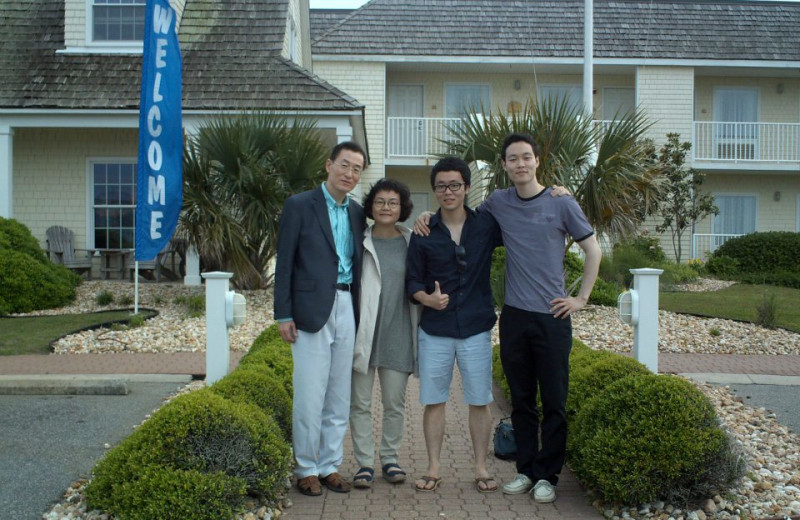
342,235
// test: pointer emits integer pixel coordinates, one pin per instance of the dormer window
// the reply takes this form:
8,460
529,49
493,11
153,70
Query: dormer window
117,20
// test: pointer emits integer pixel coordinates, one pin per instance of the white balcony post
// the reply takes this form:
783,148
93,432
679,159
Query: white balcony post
645,333
192,276
6,172
218,354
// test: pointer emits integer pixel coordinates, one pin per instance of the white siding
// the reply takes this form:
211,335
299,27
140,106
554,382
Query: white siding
367,83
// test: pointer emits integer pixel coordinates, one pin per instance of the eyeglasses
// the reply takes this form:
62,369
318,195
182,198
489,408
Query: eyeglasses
462,262
453,187
351,168
381,203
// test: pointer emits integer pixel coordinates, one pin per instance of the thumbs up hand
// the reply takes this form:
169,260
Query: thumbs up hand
437,300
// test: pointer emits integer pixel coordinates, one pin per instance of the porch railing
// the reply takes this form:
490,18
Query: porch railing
418,136
703,244
728,141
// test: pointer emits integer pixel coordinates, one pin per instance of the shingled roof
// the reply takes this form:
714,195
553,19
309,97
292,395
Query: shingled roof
700,29
323,19
231,61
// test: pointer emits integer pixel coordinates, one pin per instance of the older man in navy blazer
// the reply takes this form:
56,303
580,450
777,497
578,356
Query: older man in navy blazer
316,306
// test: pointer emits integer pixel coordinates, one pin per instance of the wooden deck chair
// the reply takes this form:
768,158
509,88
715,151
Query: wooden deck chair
61,250
153,269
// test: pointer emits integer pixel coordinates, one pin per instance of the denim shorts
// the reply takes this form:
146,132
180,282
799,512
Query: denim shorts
436,357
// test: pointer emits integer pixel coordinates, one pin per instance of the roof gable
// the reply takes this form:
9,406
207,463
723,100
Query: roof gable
231,60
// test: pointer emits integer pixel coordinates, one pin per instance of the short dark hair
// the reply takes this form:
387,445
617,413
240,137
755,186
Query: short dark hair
348,145
452,164
516,138
390,185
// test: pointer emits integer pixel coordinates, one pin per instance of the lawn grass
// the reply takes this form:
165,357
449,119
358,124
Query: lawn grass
33,334
737,302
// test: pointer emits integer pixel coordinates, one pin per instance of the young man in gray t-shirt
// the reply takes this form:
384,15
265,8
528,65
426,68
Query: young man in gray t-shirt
535,325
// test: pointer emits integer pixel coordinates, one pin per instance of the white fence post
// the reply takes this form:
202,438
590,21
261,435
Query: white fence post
645,332
218,354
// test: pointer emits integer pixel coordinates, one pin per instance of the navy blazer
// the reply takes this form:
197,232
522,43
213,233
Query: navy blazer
307,266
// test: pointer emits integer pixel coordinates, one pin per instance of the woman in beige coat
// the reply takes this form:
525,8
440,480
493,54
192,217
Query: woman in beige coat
386,342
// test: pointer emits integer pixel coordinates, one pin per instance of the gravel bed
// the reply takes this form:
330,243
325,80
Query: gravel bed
770,489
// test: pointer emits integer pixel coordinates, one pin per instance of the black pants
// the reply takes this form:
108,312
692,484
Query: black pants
534,349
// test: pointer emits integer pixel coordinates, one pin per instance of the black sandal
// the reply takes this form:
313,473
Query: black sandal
363,478
393,473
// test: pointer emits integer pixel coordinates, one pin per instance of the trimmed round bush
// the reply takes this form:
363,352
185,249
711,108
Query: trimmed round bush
27,285
763,252
271,351
16,235
203,432
649,437
258,385
172,494
588,380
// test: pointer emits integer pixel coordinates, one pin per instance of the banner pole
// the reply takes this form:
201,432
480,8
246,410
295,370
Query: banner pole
136,287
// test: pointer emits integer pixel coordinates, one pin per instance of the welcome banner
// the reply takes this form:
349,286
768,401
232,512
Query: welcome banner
160,163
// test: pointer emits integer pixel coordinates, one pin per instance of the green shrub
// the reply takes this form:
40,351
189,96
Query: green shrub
779,278
649,437
16,236
196,305
258,385
497,277
648,246
624,259
722,266
126,300
104,298
498,374
589,379
27,285
173,494
603,292
271,351
676,274
763,252
767,312
203,432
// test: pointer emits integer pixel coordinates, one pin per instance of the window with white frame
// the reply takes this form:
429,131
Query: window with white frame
617,102
117,20
737,214
573,94
113,204
462,98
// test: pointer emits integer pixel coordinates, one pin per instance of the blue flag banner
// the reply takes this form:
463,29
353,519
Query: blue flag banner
160,163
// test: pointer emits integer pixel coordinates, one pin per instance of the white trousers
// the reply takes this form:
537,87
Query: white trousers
323,364
393,398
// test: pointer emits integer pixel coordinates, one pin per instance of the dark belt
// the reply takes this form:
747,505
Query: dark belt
344,287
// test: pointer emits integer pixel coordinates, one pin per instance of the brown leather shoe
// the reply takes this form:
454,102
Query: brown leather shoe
336,483
310,486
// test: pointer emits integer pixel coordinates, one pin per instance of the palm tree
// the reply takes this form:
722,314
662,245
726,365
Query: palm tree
238,171
608,168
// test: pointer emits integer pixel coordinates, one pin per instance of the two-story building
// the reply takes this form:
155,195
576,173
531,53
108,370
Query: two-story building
70,76
724,75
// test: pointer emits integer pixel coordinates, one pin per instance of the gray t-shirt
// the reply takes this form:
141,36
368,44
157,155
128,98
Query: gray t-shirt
391,345
534,233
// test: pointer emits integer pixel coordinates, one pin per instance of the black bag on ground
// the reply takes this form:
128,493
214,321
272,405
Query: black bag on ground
505,447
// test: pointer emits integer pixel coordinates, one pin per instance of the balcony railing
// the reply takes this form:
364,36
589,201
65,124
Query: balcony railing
418,136
705,244
723,141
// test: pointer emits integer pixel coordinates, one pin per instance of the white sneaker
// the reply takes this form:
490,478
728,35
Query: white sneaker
544,492
521,484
